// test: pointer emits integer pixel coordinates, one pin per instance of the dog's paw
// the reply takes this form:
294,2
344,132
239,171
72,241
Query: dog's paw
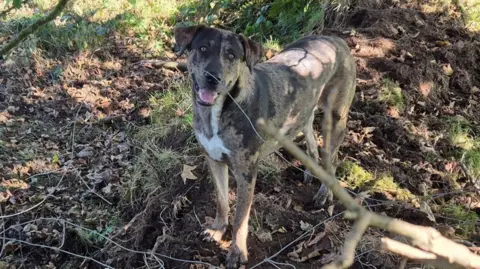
323,196
213,234
236,258
307,177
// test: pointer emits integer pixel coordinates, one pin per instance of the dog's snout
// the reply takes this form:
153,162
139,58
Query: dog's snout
212,78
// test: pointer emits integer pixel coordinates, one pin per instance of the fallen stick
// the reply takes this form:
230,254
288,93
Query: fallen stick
443,252
182,67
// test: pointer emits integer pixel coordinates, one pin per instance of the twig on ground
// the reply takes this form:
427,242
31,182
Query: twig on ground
44,173
351,242
92,190
182,67
56,249
403,263
447,253
269,259
156,256
75,125
35,206
132,221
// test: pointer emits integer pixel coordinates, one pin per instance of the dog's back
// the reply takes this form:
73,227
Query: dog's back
301,75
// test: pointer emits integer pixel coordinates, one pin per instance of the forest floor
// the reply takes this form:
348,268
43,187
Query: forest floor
98,162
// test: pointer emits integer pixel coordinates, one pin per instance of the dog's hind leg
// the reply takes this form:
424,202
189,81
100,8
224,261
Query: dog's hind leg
312,147
219,172
337,133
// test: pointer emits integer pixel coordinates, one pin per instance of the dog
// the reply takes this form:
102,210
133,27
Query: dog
232,88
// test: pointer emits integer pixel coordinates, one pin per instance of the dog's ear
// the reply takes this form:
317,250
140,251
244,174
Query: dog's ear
253,51
184,36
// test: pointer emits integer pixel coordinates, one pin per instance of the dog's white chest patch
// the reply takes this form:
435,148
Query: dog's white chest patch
214,146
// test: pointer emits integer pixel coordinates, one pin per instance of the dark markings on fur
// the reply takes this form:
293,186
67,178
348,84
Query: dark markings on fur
285,90
249,175
233,94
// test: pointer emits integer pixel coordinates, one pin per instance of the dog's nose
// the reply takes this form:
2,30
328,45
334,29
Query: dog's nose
212,78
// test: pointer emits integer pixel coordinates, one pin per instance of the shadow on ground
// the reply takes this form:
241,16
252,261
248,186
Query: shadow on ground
91,101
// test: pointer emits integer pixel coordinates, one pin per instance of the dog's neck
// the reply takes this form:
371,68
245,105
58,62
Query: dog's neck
208,119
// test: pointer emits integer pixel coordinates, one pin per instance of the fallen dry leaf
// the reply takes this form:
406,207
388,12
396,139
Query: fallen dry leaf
328,258
14,184
450,166
425,208
422,187
86,152
447,69
187,173
310,249
264,236
179,112
305,226
107,189
5,195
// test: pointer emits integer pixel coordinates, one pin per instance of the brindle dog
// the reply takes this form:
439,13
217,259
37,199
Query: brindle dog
231,90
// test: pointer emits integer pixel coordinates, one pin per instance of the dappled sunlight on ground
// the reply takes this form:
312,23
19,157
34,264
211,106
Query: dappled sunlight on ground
108,142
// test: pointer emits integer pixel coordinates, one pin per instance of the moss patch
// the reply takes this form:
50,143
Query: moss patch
391,94
354,175
386,183
357,177
467,220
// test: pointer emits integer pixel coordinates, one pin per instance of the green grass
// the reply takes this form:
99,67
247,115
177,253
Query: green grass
467,220
471,14
59,37
280,20
391,94
461,135
272,44
150,23
472,162
159,159
85,24
175,103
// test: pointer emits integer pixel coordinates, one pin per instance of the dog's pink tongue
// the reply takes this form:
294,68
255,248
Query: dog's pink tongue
207,96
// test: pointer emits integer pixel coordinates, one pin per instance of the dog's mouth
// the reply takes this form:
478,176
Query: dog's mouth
205,97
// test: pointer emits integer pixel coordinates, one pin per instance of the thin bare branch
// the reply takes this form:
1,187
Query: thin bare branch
269,259
35,206
56,249
92,190
351,242
33,27
12,7
448,253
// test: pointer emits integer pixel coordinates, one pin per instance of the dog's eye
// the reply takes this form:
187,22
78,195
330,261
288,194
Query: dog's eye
231,56
203,49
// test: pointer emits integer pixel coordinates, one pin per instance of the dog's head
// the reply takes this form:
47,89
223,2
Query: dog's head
216,59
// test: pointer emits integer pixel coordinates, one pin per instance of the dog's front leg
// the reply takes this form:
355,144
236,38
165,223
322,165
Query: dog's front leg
245,177
219,172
